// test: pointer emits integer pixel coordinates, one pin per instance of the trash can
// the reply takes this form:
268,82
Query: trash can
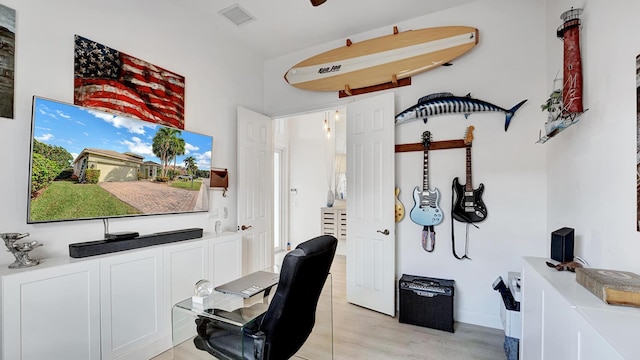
427,302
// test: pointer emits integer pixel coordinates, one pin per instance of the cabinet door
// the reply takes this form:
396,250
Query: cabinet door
226,258
132,312
52,313
531,310
184,265
556,333
546,328
588,343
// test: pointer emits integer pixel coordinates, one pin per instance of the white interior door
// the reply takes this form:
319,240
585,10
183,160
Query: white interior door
255,189
371,250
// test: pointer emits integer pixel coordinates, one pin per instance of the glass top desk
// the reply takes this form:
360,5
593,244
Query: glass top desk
223,308
226,308
240,312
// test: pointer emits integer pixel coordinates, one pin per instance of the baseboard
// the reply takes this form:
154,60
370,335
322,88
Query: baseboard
474,318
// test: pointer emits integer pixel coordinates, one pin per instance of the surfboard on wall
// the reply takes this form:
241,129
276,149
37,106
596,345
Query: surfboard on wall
383,59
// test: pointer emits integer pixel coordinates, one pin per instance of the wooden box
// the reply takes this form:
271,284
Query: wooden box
611,286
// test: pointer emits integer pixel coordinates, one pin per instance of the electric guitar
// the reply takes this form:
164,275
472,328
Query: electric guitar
399,207
468,207
425,203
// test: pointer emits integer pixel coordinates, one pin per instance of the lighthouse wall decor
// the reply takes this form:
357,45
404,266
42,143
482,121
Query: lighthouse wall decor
564,105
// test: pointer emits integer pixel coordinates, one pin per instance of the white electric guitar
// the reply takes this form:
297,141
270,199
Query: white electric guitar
425,209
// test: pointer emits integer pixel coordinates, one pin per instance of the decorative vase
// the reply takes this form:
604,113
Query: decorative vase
330,198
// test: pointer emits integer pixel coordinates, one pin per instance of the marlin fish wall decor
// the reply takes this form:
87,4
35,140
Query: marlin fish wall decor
447,103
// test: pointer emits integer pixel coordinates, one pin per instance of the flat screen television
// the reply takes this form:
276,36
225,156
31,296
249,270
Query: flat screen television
90,164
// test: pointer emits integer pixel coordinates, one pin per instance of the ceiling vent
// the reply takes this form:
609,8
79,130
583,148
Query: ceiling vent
237,14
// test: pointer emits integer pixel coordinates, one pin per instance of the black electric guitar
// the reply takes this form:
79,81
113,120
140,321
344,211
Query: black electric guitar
425,203
468,207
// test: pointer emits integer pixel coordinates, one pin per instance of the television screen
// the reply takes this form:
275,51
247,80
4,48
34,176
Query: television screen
88,164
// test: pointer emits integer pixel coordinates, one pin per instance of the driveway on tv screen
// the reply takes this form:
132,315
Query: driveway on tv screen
154,197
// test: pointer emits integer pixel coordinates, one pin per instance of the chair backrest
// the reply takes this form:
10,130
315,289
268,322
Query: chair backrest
292,312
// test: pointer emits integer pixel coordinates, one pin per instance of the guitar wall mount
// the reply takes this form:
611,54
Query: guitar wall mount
428,235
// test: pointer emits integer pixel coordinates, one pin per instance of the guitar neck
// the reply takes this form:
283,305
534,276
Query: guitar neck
469,185
425,175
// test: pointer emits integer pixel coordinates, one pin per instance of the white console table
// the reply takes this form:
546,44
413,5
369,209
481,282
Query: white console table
563,320
112,306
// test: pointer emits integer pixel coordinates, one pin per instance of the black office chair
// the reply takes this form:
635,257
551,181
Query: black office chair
286,325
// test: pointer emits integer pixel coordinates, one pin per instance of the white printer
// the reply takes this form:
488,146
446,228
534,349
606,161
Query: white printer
510,312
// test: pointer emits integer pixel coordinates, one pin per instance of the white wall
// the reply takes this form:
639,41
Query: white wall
591,165
220,75
507,66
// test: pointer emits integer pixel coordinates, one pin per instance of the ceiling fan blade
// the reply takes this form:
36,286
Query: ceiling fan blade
317,2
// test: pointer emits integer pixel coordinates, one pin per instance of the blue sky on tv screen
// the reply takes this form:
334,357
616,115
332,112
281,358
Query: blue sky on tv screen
76,128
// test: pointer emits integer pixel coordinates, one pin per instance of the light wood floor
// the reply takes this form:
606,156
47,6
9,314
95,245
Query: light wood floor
359,333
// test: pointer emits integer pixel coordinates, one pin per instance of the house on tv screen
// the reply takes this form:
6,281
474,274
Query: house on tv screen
112,165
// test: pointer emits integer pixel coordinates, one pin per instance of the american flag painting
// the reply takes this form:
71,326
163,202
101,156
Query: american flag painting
110,80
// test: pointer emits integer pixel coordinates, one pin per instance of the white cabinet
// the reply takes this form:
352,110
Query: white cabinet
131,287
217,259
334,222
563,320
226,252
51,312
184,265
531,308
588,344
114,306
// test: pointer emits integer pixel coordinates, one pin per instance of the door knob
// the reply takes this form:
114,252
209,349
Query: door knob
245,227
385,232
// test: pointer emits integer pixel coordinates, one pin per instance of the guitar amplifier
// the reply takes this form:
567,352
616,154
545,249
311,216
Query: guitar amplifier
426,302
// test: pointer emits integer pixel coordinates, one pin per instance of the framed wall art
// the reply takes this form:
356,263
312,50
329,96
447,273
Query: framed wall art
110,80
7,60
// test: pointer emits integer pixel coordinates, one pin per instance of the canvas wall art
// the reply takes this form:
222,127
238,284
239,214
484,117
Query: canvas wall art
112,81
7,60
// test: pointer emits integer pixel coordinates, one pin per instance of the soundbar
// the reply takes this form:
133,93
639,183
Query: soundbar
92,248
122,235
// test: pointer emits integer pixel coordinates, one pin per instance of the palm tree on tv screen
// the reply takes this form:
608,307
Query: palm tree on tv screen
167,144
190,164
177,147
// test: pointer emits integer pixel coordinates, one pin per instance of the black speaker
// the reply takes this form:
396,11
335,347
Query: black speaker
91,248
562,244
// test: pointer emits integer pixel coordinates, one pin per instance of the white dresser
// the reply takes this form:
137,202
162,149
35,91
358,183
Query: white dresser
113,306
333,221
563,320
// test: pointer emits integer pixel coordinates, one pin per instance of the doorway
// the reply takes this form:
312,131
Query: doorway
311,148
310,142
